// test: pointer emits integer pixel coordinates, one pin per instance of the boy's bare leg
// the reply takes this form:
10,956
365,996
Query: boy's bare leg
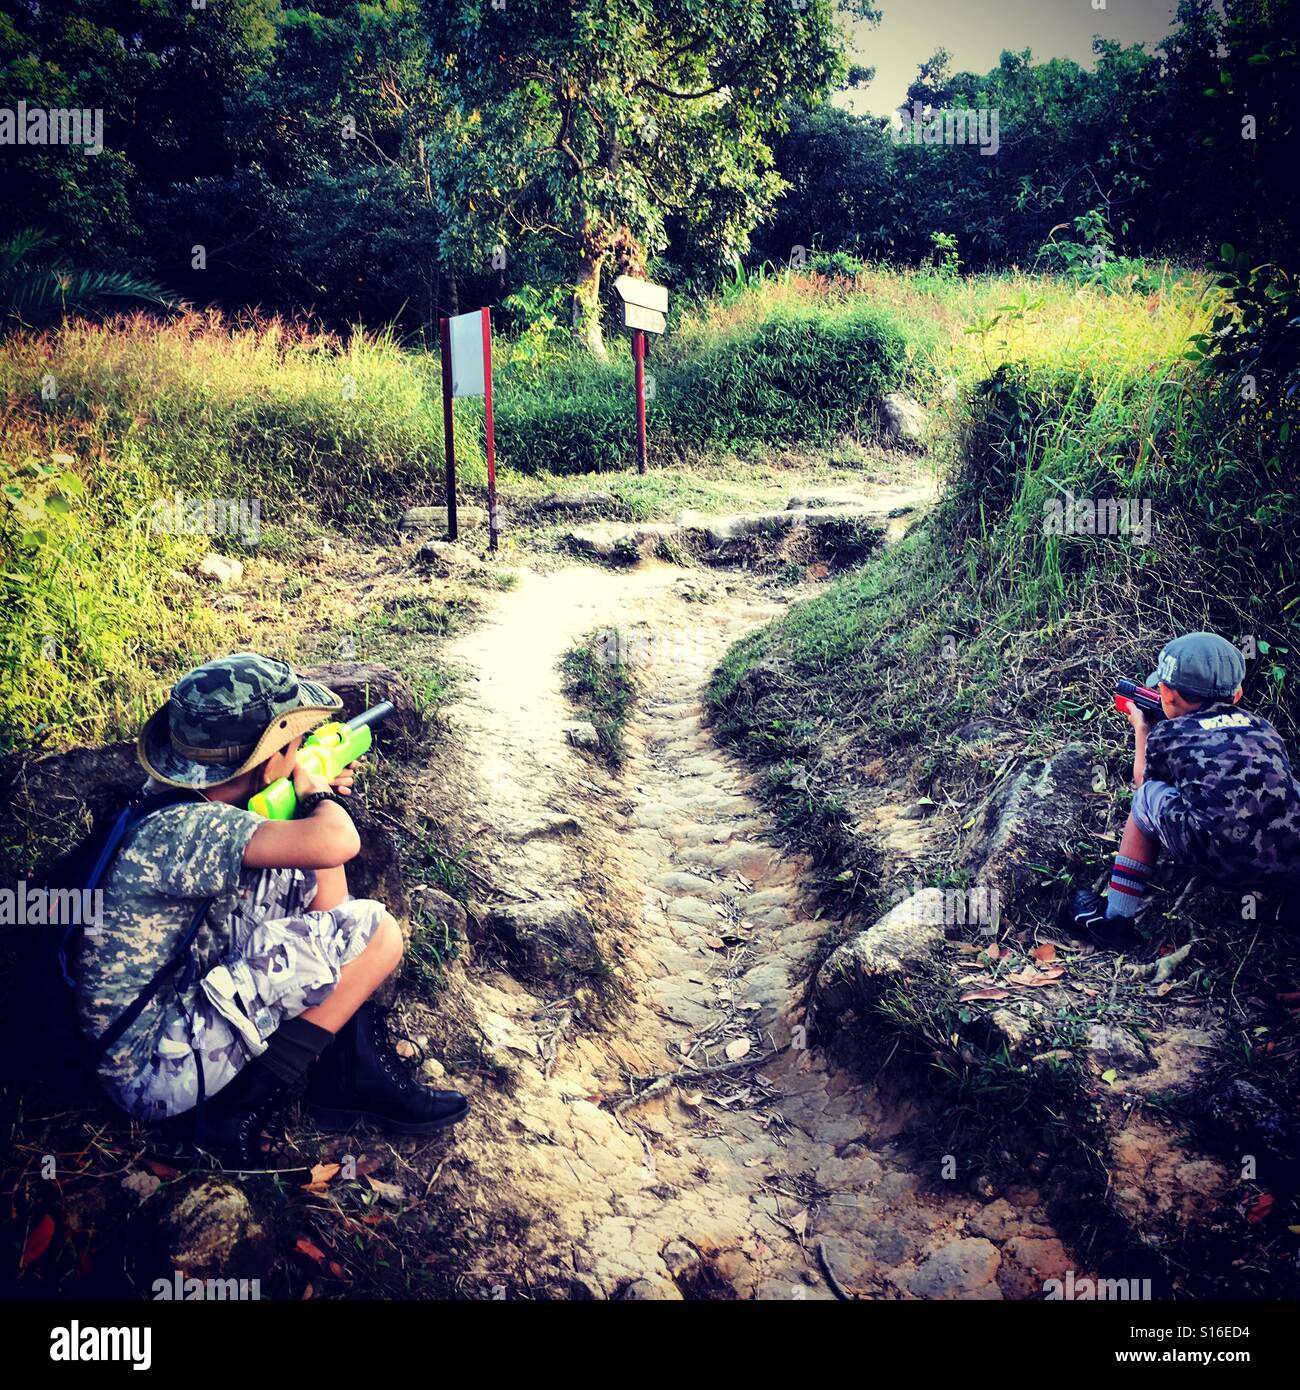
1131,876
1135,843
359,978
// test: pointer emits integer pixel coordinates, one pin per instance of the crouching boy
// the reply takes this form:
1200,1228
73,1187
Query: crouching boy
1215,790
273,1001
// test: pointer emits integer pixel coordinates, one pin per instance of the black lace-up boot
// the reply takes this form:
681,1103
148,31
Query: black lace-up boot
230,1128
363,1078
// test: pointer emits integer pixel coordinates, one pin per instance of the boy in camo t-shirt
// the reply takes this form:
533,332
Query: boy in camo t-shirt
1215,790
274,996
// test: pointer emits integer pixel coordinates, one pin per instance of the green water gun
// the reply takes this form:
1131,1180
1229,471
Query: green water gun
325,753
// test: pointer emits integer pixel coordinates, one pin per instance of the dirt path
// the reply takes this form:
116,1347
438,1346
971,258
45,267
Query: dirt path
718,1183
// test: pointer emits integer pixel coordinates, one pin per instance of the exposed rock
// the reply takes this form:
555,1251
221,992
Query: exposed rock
447,559
620,544
220,569
960,1269
681,1258
1028,1263
1244,1112
206,1228
652,1290
1016,1030
996,1221
1112,1047
546,826
361,684
435,905
435,518
904,423
582,734
549,937
859,968
1029,818
976,730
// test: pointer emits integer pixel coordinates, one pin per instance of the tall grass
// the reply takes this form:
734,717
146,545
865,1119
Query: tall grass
102,421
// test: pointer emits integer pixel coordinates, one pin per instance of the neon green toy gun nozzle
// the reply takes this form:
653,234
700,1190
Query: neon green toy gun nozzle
324,753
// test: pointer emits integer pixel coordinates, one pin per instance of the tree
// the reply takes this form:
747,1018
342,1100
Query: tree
598,121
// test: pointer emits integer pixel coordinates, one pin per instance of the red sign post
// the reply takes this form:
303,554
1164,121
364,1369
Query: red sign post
638,357
645,309
467,371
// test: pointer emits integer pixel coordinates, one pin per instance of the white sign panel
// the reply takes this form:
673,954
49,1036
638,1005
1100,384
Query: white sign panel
642,292
467,369
634,316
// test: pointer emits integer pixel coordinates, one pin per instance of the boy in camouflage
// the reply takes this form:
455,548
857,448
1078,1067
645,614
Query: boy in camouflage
284,961
1214,789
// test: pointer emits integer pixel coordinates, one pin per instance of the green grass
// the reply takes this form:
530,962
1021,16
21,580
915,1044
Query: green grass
600,685
101,423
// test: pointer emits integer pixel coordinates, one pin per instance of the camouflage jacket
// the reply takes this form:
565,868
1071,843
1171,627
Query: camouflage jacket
1239,815
171,862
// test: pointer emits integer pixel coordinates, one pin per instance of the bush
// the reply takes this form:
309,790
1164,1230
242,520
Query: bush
800,377
789,362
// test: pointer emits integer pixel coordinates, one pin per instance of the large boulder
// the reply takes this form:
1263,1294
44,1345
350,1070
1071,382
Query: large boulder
360,684
1030,818
903,421
859,969
1245,1115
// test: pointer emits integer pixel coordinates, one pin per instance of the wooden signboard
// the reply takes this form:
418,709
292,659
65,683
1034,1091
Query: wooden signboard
637,316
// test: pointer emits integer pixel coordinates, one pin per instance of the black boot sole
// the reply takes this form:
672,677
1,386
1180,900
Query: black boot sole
329,1120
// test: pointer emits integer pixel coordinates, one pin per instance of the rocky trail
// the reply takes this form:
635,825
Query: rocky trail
667,1131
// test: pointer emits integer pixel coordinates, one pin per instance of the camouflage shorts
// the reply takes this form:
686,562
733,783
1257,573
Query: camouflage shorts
1159,811
286,960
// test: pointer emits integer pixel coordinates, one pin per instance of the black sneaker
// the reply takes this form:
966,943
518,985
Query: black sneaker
362,1078
1088,921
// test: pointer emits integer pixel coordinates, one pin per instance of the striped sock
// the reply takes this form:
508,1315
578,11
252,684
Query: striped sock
1129,881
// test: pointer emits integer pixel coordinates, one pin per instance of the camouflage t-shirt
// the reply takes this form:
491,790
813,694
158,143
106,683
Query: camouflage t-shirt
169,864
1239,809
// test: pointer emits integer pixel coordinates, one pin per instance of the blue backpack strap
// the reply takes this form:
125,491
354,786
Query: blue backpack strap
128,1016
131,816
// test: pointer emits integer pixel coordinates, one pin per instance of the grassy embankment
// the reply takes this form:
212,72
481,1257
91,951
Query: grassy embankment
982,614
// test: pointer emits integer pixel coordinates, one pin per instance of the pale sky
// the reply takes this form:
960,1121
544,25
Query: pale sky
976,31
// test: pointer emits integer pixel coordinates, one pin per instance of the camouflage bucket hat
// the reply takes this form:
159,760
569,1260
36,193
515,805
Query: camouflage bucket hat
227,717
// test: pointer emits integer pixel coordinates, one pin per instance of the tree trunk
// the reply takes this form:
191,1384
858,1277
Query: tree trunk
586,307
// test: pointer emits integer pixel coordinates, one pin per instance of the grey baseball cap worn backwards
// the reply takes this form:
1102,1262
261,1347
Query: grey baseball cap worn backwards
227,717
1200,665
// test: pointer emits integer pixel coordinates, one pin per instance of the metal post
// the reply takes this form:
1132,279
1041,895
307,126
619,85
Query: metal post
448,426
638,356
491,442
